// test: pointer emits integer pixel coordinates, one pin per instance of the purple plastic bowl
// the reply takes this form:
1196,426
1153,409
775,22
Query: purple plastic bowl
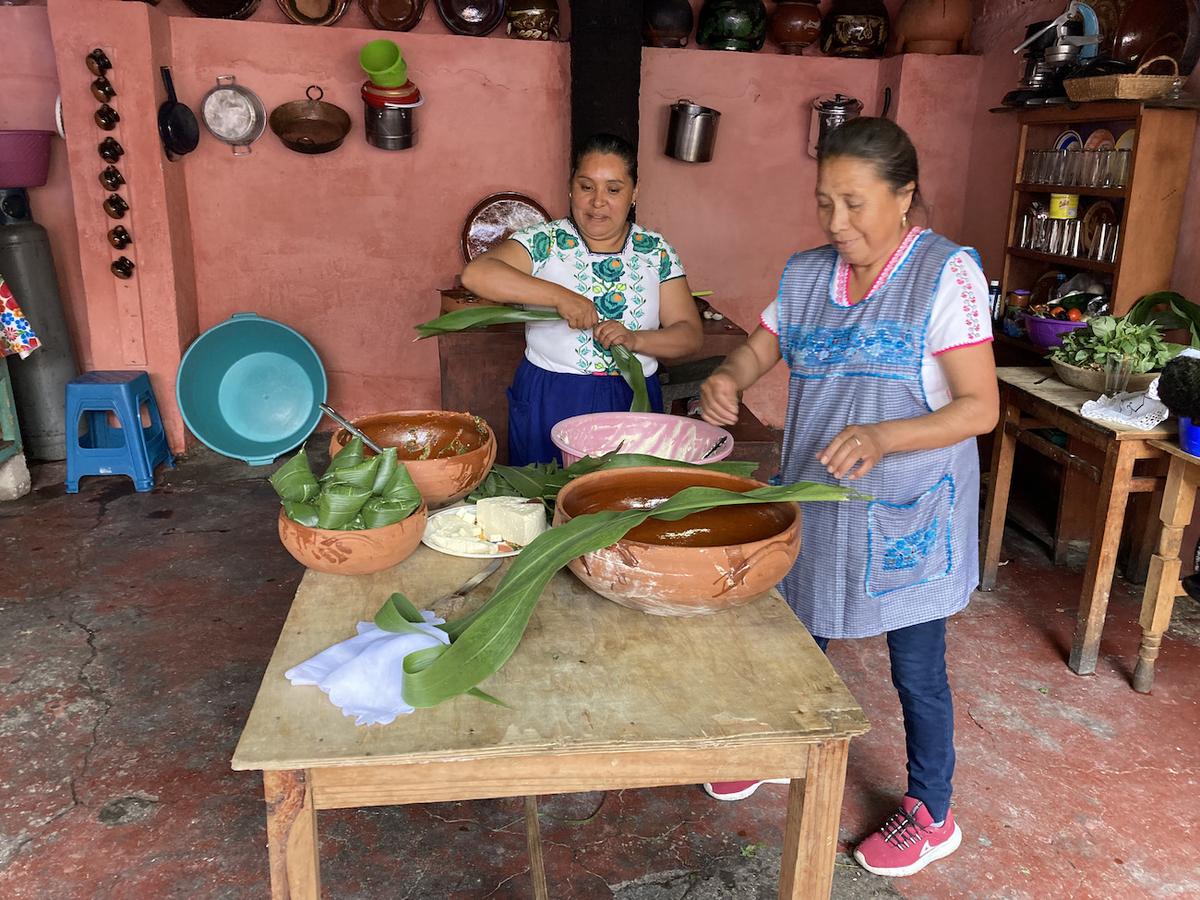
1048,333
24,158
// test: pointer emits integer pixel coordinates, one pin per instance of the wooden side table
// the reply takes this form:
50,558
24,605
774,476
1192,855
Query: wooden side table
1162,585
602,697
1032,399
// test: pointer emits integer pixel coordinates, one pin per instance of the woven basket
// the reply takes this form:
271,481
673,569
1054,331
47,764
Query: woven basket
1126,87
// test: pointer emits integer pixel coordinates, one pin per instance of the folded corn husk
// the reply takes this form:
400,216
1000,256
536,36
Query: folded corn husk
350,455
387,468
360,475
304,513
339,504
295,481
378,512
401,487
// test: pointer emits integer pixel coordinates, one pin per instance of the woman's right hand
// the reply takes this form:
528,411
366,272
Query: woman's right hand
719,399
579,312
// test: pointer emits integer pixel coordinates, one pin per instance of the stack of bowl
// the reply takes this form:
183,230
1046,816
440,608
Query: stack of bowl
389,98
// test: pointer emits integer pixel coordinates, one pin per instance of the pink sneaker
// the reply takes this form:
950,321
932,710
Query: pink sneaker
737,790
908,841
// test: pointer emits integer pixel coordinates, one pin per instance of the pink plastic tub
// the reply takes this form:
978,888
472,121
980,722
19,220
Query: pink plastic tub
671,437
24,158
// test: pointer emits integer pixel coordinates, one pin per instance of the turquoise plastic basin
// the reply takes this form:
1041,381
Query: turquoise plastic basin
249,388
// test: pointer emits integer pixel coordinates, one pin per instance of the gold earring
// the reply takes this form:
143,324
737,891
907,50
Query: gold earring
904,221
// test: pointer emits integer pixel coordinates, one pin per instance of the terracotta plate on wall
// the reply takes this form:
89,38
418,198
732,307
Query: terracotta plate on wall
393,15
474,18
223,9
495,218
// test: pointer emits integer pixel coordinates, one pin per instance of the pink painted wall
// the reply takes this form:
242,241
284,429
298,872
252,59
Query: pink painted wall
735,220
29,84
351,247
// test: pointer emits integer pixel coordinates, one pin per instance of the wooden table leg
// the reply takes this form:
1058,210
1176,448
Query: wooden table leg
1102,558
1179,498
1143,536
811,835
292,836
999,482
533,837
1076,497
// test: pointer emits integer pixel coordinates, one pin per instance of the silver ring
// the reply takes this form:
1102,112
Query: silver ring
857,442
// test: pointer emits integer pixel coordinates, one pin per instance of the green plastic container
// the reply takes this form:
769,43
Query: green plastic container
384,63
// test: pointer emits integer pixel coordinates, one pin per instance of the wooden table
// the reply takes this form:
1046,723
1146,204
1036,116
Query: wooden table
1104,454
603,698
1162,585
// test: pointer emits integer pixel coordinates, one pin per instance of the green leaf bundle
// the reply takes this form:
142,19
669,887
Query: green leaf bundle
350,455
304,513
339,504
295,481
483,641
634,375
360,475
379,512
402,487
387,468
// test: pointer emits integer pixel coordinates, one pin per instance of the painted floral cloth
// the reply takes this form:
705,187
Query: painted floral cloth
16,334
623,285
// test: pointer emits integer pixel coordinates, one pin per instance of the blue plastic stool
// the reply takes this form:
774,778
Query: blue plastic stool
132,449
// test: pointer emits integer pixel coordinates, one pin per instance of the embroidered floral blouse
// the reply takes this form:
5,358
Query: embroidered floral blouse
623,285
16,334
959,317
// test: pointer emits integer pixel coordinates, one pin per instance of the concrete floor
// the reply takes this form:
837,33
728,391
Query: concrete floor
136,628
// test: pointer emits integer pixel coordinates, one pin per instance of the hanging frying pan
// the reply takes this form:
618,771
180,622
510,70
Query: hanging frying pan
312,125
177,126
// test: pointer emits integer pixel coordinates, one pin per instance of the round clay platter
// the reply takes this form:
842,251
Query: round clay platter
495,218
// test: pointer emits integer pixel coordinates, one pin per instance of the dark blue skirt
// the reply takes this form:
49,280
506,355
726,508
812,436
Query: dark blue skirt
538,400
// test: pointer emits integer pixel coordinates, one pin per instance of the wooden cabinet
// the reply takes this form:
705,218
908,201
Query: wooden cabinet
1147,208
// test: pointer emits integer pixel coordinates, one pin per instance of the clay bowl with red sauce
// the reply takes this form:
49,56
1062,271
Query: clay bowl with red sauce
705,563
447,454
353,552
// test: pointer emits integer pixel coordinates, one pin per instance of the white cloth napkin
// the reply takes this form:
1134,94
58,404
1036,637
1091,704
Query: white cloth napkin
1138,409
364,675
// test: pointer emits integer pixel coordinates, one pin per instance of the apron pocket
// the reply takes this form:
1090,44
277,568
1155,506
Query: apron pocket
909,543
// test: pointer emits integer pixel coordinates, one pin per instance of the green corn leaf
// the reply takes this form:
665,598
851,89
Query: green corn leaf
404,607
350,455
339,504
360,475
484,640
379,512
295,481
481,317
387,468
635,377
402,487
398,615
304,513
528,481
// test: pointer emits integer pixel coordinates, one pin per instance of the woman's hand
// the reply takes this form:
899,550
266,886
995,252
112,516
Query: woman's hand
720,400
611,332
579,312
855,445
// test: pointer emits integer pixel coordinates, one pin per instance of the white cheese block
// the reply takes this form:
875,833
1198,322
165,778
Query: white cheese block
515,519
458,533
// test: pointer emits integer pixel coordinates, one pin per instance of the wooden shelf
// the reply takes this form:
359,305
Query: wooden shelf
1072,262
1110,193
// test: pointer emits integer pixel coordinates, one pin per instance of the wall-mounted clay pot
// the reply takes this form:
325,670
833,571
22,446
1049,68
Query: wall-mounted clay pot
448,454
667,23
701,564
933,26
795,24
532,20
353,552
855,28
732,25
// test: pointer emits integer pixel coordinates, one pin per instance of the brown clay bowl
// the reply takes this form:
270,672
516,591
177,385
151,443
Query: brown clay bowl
447,454
1093,379
353,552
707,562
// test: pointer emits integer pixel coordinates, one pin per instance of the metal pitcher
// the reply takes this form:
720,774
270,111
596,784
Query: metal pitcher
828,113
692,131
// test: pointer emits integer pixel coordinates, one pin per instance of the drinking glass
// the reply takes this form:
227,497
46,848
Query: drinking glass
1029,170
1117,370
1119,166
1090,168
1074,161
1058,167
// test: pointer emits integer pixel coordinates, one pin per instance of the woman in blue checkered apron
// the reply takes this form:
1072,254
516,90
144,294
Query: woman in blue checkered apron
886,335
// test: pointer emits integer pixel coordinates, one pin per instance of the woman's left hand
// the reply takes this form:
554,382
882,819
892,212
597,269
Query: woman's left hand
611,332
855,445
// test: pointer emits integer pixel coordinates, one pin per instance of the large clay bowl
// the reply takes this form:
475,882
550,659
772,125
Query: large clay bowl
704,563
353,552
447,454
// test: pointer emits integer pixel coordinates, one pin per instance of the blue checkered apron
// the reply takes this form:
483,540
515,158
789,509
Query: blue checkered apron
910,555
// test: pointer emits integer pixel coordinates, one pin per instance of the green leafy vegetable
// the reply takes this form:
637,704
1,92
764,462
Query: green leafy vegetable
1107,338
635,377
295,481
1180,313
483,641
481,317
339,504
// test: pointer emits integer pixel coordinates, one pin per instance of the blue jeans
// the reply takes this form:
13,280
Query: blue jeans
918,655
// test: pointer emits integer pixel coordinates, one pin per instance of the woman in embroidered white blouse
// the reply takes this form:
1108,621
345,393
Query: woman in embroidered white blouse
886,334
612,281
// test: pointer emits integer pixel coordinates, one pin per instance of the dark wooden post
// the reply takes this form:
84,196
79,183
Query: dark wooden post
606,68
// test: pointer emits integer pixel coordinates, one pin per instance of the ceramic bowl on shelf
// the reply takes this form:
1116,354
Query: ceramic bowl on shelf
353,552
1093,379
704,563
447,454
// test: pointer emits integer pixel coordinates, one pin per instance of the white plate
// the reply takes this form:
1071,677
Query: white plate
430,540
58,118
1068,140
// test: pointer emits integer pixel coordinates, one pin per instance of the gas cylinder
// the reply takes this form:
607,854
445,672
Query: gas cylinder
39,382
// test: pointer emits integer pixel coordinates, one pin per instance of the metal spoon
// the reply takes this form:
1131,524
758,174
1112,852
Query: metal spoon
332,413
715,447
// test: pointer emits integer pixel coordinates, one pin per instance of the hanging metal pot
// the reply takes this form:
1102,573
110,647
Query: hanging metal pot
312,125
692,132
233,114
828,113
